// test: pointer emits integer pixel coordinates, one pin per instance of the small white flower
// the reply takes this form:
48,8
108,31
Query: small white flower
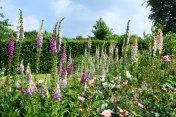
128,74
91,82
81,99
111,85
105,84
40,81
18,85
104,106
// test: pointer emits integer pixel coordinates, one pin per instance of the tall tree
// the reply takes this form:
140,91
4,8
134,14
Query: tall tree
163,12
4,30
101,30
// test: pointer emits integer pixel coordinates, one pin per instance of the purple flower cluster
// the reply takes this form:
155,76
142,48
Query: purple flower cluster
84,90
83,77
63,71
63,61
63,84
21,68
43,90
32,88
39,41
27,75
23,91
70,70
88,76
11,46
57,96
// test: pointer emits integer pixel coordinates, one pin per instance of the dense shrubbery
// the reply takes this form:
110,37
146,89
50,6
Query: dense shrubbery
77,47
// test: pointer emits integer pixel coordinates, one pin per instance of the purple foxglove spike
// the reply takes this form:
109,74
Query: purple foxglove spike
21,68
83,77
71,69
11,46
63,84
23,91
27,76
63,71
88,76
57,96
30,92
84,90
39,41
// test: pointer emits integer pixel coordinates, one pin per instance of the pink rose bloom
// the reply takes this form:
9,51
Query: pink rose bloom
107,113
140,105
125,83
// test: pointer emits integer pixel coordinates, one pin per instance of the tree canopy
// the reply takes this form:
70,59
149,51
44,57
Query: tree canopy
101,30
163,12
4,30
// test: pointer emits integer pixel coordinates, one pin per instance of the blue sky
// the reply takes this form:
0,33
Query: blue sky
80,15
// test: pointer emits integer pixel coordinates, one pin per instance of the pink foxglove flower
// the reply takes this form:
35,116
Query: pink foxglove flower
153,46
160,41
134,51
18,31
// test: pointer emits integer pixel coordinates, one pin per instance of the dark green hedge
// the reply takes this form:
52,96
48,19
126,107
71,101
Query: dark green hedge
28,52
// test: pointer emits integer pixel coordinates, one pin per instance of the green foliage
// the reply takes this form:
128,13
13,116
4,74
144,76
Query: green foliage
163,12
101,30
29,53
169,44
4,26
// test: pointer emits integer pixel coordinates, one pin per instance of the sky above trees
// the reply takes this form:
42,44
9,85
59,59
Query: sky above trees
80,15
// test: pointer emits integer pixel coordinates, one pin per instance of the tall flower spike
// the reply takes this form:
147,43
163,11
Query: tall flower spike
89,44
55,38
21,26
18,31
153,46
21,68
116,54
57,94
59,35
11,46
97,53
134,51
83,77
126,40
63,60
27,74
159,41
71,69
40,37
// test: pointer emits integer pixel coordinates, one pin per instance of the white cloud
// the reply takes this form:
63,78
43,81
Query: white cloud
64,7
30,23
12,13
